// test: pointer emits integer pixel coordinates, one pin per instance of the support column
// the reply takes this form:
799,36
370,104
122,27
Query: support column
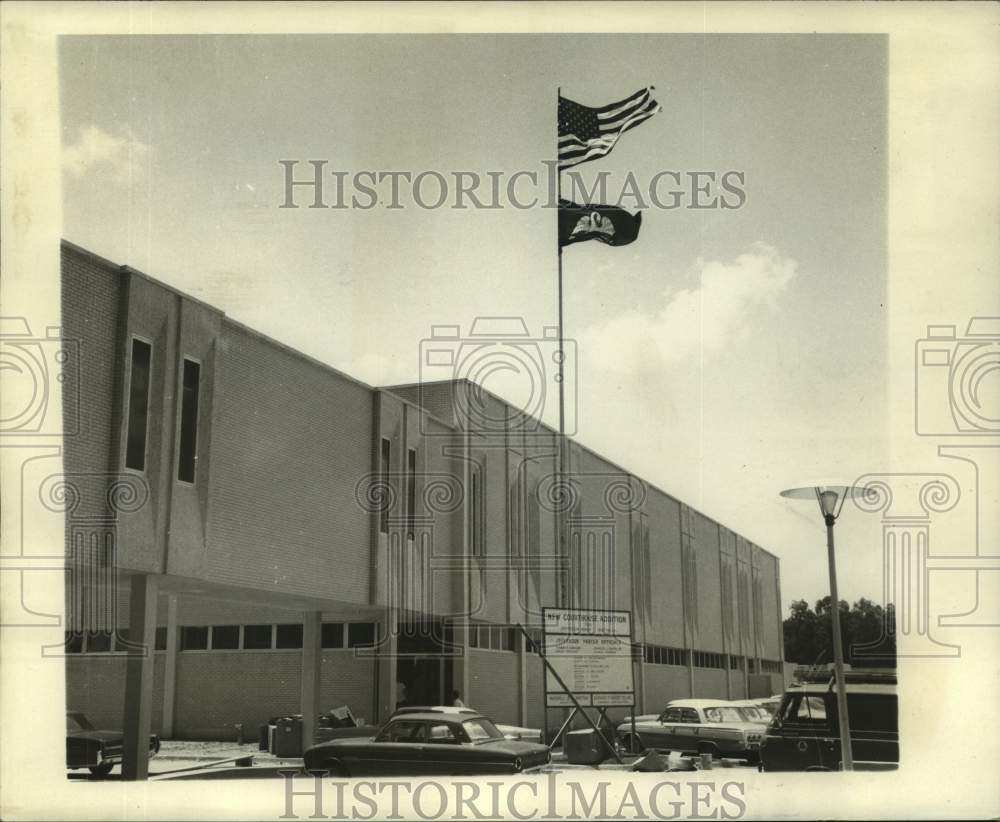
387,669
170,669
522,672
461,672
312,657
136,723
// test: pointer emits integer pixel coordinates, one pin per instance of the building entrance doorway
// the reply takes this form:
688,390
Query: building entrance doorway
424,664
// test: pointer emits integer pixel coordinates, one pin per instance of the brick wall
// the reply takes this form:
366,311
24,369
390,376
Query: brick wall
95,684
709,682
709,594
283,513
667,624
494,685
664,683
216,690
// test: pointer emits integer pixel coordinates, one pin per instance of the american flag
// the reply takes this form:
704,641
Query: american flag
588,133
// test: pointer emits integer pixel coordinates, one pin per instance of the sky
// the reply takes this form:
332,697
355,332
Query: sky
723,356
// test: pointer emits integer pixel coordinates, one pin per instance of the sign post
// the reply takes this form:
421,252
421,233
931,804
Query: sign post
588,660
577,707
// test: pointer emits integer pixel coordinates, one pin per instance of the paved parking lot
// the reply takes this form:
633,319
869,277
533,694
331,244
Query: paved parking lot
217,760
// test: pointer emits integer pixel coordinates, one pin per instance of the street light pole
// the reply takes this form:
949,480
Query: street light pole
831,502
846,751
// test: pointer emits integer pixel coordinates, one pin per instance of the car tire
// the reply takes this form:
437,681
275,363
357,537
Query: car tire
629,747
518,765
708,748
336,769
101,770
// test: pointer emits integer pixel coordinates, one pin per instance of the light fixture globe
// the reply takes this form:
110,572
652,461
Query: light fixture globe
829,496
828,502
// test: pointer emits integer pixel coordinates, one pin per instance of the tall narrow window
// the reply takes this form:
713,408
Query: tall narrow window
411,491
383,517
138,405
189,421
475,525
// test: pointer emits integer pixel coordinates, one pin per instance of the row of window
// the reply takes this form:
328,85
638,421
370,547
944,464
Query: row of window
286,636
137,429
659,655
492,637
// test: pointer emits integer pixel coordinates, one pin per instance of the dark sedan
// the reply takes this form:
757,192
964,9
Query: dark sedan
99,751
428,743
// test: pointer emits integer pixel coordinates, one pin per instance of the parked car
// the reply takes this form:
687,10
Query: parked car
696,726
419,743
509,731
751,710
804,733
100,751
769,704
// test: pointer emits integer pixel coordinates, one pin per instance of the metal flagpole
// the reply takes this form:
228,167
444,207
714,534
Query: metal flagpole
560,474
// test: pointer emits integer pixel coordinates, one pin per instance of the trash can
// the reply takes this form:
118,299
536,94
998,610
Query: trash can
262,740
584,748
288,736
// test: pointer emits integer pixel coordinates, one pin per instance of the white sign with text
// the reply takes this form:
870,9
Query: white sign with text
591,651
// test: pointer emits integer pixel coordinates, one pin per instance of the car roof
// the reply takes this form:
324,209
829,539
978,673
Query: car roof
438,709
439,716
852,688
698,703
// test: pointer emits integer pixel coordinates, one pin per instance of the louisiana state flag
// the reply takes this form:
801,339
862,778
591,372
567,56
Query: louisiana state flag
608,224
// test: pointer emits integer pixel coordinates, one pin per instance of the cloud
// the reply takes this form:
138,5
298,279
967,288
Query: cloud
94,148
693,322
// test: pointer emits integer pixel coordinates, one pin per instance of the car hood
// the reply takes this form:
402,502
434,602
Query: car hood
640,718
107,737
347,740
517,730
752,727
514,747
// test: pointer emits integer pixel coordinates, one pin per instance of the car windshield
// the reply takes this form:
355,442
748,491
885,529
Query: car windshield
77,722
402,730
751,713
723,713
481,729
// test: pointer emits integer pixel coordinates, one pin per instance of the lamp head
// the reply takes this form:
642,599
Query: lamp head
830,497
828,502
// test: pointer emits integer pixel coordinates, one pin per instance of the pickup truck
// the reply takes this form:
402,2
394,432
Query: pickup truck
696,726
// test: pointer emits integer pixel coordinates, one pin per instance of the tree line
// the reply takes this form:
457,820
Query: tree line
868,631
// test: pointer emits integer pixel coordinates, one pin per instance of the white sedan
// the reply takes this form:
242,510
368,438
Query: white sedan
696,726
